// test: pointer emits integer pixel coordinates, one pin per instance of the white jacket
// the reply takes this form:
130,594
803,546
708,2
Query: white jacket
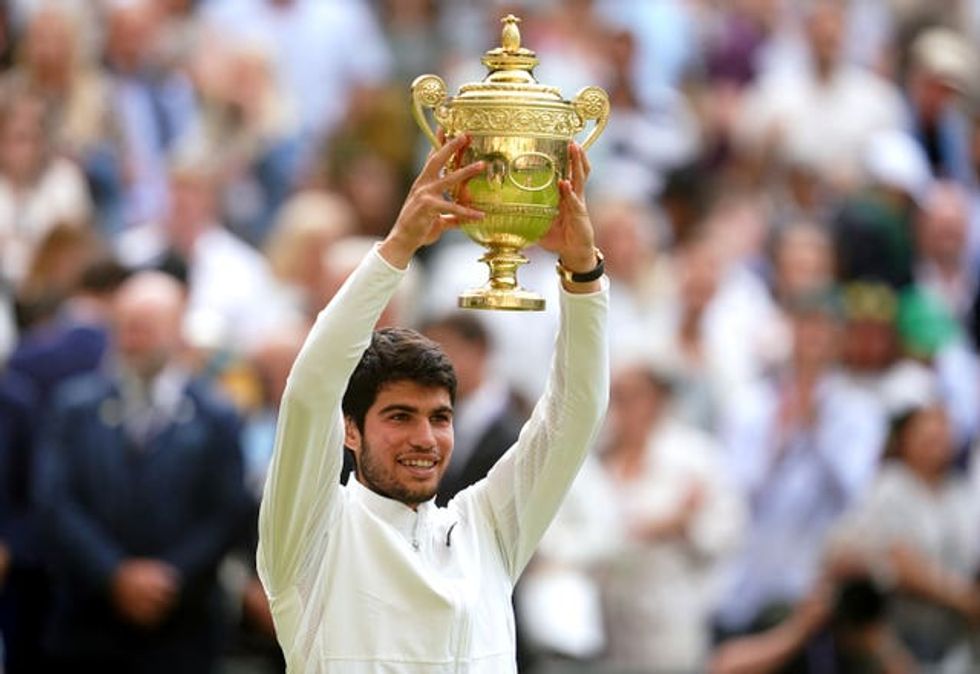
360,583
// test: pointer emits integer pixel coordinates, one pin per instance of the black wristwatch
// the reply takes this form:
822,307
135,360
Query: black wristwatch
584,277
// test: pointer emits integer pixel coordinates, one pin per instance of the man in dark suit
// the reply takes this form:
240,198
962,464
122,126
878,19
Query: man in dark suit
487,416
142,493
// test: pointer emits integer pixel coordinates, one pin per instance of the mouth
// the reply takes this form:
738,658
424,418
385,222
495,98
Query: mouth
420,467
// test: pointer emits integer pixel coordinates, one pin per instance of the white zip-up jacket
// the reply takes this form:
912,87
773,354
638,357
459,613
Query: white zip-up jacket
361,583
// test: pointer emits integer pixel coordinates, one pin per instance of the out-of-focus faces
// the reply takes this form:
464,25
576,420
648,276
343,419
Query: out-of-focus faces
624,243
148,315
804,262
816,338
192,208
22,140
925,444
50,42
942,225
636,402
469,359
825,32
131,35
700,269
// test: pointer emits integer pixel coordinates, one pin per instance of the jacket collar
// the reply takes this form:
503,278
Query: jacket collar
396,513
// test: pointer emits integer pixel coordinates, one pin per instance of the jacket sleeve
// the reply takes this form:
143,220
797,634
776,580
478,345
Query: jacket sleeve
81,545
302,489
522,492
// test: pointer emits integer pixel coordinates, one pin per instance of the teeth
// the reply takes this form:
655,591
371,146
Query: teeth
419,463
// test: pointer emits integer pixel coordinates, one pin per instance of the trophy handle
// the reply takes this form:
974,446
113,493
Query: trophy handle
428,91
592,103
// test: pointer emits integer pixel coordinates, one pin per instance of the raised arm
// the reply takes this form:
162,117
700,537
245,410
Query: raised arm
523,491
301,491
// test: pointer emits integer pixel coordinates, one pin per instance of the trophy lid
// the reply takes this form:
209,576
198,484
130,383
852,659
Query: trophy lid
510,68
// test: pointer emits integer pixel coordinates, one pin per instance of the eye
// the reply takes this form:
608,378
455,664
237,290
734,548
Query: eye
442,419
399,416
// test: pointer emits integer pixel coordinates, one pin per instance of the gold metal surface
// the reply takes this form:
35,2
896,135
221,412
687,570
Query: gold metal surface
521,129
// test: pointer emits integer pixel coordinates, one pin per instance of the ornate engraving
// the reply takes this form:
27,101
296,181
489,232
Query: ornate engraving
558,123
592,103
429,90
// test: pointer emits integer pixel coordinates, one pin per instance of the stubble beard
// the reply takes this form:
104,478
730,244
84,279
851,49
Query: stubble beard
379,479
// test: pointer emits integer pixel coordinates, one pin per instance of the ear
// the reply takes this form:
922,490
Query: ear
352,436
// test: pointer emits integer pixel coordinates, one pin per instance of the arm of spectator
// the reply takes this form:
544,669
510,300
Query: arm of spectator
916,574
768,651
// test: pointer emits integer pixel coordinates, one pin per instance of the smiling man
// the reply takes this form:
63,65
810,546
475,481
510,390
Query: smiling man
373,577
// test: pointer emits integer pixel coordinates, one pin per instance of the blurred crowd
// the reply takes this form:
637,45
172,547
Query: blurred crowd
788,199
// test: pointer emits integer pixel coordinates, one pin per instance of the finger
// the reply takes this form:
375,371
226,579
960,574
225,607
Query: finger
586,164
462,213
460,175
449,221
439,158
441,136
578,172
569,196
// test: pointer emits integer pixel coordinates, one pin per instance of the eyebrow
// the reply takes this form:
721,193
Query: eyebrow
411,409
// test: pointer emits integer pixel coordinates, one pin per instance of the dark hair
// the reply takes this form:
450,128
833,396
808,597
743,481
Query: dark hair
396,354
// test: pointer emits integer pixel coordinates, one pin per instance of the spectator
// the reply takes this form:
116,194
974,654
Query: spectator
155,106
799,113
24,592
681,518
248,128
38,189
58,67
802,447
307,225
873,230
142,489
917,531
943,67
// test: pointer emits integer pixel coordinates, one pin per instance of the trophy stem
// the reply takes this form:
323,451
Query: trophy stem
502,291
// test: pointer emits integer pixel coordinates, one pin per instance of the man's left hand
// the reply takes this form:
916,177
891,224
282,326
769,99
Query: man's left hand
572,235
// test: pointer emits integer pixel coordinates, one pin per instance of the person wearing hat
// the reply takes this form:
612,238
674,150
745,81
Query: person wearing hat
873,230
942,69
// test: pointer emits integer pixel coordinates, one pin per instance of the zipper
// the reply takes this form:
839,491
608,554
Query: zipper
415,532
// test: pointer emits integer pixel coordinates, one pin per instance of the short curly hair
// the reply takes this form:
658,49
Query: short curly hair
396,354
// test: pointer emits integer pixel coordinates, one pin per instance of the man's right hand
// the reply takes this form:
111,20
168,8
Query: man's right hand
426,214
144,590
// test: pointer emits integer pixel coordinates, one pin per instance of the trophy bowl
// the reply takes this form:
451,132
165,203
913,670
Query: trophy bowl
521,130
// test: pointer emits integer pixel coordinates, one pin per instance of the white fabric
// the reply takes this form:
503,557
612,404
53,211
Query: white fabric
823,124
361,583
234,300
658,596
60,196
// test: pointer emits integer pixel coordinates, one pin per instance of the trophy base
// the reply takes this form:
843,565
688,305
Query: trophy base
499,299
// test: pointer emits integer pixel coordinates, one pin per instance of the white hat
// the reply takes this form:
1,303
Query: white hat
895,159
947,55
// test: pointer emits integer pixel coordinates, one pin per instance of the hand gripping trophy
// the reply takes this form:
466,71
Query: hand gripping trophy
521,130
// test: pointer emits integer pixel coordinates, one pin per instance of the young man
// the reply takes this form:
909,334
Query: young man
373,577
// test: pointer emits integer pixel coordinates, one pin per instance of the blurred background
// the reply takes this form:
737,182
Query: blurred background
788,198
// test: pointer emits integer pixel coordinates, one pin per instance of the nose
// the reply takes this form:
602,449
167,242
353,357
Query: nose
423,436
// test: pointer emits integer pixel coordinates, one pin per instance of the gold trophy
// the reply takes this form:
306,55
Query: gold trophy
521,130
